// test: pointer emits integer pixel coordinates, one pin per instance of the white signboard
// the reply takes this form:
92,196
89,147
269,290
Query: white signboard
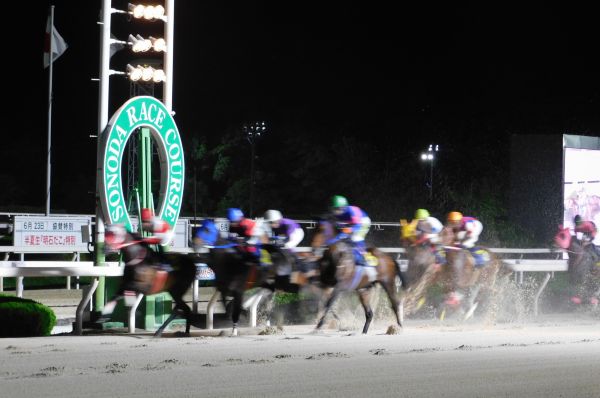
582,187
181,232
50,232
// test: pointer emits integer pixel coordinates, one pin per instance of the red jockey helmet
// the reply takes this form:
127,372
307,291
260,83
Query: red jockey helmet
147,214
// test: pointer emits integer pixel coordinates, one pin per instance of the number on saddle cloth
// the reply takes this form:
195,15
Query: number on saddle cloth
371,259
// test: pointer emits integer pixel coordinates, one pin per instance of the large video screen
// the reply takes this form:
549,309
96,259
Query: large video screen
582,186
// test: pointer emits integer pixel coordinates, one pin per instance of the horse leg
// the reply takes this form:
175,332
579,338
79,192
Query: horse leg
236,310
162,327
187,313
472,303
390,290
365,296
415,294
109,308
180,305
269,305
328,305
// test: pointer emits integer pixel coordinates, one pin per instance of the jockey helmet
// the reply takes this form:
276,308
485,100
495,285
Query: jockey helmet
114,235
273,216
421,214
455,216
577,220
338,201
147,214
234,214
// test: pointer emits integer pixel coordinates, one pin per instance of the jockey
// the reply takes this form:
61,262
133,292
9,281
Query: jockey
206,235
586,233
466,232
138,256
345,215
160,232
428,229
246,233
354,223
283,230
285,234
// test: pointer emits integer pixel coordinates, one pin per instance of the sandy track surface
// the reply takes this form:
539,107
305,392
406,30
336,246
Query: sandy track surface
552,357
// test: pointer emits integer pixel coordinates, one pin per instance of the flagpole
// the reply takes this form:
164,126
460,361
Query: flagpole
49,112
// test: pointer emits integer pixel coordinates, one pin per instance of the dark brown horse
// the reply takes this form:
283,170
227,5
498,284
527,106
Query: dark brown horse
338,272
584,267
236,272
143,274
464,284
423,270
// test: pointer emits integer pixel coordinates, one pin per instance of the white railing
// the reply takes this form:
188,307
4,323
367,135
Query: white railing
21,269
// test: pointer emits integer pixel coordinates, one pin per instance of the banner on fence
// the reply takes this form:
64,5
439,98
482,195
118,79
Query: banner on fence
50,232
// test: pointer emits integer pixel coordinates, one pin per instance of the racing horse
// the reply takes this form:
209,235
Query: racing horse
583,267
423,268
235,272
460,276
338,272
142,274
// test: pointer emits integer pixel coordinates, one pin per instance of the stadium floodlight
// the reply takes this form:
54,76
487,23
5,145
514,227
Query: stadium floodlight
158,44
146,74
147,12
159,76
134,73
429,156
139,44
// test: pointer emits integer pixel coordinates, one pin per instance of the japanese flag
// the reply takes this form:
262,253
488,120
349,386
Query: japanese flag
58,44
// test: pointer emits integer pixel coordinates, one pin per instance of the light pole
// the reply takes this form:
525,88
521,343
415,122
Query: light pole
253,132
138,44
429,156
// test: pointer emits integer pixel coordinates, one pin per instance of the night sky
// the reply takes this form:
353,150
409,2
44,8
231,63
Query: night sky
466,76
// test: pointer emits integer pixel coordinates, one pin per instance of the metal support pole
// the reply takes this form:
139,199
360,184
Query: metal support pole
252,151
536,299
48,155
132,310
102,122
168,56
195,296
431,181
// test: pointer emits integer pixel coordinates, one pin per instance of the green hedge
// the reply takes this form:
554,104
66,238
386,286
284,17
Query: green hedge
21,317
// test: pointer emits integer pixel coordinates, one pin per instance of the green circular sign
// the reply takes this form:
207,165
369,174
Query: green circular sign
138,112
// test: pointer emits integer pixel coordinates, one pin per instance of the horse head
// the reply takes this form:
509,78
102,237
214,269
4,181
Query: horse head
563,238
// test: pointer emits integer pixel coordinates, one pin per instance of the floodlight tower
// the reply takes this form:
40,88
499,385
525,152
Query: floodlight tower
429,156
146,73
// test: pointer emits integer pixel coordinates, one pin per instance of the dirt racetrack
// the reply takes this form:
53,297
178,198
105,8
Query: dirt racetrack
552,356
